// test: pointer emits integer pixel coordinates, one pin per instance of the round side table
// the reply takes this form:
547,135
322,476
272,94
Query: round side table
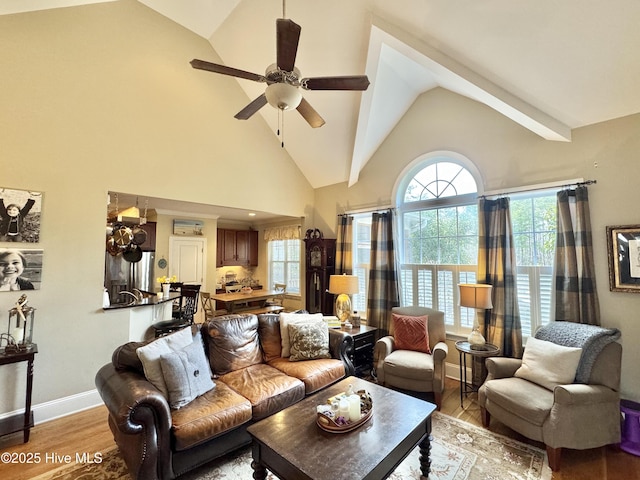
478,352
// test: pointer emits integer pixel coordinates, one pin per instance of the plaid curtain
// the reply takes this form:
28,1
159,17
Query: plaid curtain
344,245
383,291
576,295
497,267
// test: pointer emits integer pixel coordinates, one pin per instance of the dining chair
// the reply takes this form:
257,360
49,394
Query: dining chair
207,306
277,300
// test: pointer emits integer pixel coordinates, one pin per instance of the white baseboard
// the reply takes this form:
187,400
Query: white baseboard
61,407
452,370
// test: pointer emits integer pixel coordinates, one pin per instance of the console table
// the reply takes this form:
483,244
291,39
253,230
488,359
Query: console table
20,422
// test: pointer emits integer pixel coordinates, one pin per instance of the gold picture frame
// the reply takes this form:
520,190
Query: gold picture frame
623,243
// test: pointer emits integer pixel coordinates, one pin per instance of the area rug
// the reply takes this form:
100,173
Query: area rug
459,451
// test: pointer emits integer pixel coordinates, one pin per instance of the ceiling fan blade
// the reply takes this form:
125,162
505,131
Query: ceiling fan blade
287,37
224,70
356,82
252,108
309,114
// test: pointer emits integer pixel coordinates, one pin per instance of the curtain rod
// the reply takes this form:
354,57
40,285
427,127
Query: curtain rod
367,210
576,182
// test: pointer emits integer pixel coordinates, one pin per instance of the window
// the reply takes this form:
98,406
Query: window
361,260
534,230
438,218
284,264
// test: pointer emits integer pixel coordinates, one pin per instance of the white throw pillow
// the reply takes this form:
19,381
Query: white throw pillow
150,354
549,364
288,318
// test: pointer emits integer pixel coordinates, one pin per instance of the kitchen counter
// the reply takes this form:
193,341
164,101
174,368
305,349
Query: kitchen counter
141,320
148,299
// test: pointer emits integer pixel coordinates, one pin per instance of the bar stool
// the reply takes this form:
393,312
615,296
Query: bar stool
186,312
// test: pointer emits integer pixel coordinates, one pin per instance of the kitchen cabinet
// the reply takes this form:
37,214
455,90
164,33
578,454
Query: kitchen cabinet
149,244
237,248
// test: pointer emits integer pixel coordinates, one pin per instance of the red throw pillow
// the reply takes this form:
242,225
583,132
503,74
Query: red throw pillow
411,333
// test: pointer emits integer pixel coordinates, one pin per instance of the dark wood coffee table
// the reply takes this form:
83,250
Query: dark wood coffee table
292,446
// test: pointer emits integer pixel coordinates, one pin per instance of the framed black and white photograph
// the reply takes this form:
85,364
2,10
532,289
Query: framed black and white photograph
623,244
20,212
20,269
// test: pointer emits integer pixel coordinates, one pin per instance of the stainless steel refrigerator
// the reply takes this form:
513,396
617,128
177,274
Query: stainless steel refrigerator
121,275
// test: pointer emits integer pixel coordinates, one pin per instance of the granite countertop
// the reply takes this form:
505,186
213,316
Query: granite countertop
149,299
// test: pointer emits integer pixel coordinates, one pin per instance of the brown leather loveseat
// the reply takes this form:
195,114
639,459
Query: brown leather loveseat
252,381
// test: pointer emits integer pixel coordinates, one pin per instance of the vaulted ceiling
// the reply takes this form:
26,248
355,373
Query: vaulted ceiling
549,66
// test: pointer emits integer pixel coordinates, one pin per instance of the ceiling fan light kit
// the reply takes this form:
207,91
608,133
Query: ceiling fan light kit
283,96
284,84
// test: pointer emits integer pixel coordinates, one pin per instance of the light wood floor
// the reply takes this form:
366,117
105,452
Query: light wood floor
88,432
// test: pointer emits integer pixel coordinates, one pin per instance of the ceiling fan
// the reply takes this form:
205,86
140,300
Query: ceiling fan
283,78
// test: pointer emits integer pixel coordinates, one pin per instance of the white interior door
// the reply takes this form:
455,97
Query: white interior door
188,259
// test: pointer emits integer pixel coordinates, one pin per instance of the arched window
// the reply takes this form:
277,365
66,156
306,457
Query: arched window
438,180
436,198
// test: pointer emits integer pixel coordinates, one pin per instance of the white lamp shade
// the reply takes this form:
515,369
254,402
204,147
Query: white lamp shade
283,96
343,284
475,295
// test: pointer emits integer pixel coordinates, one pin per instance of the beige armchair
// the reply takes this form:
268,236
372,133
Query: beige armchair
410,370
575,415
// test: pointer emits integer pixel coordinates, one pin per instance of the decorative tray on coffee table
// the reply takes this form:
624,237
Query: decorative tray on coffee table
329,422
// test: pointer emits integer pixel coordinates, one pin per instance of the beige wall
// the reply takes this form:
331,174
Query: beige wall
507,155
102,98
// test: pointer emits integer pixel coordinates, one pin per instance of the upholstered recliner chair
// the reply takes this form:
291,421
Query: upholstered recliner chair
413,370
531,396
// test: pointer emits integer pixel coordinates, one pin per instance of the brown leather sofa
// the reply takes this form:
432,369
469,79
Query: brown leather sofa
160,443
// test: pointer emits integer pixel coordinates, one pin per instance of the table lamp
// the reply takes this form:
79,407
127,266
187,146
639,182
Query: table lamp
343,286
478,296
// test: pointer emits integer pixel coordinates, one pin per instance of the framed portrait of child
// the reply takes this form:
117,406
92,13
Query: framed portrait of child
20,212
20,269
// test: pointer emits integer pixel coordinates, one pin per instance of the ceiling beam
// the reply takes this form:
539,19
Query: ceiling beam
441,70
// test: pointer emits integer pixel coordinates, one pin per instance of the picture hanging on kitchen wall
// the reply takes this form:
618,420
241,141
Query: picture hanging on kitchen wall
20,269
20,212
188,227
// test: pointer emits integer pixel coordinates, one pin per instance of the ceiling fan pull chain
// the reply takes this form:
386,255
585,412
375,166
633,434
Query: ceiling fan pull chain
281,129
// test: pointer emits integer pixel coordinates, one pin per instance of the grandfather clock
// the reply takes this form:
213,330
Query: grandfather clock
320,262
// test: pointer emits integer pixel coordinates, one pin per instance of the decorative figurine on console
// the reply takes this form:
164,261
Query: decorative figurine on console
20,329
